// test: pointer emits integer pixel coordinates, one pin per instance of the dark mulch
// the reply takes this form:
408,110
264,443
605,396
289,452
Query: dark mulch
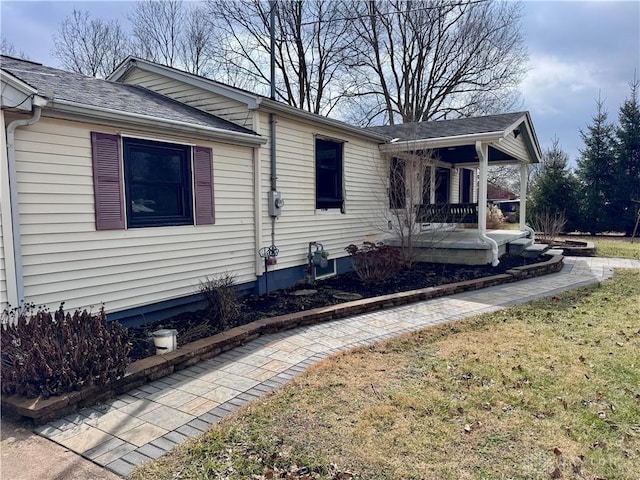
194,325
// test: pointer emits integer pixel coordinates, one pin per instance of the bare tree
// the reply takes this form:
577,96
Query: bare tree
196,42
435,59
310,47
9,49
157,27
90,46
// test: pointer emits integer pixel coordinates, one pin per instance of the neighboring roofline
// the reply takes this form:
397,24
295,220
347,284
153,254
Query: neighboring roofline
92,113
253,101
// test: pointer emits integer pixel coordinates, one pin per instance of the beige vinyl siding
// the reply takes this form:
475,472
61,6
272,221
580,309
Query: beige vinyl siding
223,107
364,190
454,195
66,259
514,147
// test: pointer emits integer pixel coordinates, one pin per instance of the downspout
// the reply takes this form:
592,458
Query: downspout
13,196
483,154
524,178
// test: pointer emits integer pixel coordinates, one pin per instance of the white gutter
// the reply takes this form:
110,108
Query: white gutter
482,149
443,142
94,112
319,119
13,195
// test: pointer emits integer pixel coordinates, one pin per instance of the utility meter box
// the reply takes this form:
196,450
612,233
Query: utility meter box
275,203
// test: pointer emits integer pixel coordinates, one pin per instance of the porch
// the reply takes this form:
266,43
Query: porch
441,168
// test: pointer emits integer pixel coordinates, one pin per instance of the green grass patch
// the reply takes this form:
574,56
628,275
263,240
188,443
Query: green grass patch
618,248
613,247
549,389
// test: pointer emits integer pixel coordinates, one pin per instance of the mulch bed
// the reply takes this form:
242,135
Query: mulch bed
192,326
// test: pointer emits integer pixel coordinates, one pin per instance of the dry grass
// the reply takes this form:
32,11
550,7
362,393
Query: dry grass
613,247
550,389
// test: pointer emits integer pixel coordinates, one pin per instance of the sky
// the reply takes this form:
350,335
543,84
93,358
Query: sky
579,51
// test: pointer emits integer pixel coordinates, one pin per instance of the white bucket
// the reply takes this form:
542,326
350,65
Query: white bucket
164,341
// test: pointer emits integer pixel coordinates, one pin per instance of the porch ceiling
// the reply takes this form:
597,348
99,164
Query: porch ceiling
467,154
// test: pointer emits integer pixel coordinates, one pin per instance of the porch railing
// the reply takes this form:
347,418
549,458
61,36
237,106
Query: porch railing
447,213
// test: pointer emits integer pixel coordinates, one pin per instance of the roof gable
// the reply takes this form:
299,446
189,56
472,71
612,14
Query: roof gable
492,129
252,100
131,100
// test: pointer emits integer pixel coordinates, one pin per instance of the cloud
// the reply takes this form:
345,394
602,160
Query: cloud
553,83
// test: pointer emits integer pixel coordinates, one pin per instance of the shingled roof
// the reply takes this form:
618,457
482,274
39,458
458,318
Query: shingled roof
449,128
94,92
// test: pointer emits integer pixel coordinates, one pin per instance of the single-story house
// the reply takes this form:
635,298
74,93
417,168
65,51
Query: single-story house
132,190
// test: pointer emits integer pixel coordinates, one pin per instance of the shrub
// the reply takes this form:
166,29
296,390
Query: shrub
495,217
375,262
45,354
223,305
548,225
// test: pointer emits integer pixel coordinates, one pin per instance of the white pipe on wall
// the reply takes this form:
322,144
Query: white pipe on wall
13,196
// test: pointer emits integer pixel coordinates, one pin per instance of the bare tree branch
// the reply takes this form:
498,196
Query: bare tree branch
90,46
310,47
436,59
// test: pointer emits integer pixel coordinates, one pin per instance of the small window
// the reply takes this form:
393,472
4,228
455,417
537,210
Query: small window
329,175
157,178
397,190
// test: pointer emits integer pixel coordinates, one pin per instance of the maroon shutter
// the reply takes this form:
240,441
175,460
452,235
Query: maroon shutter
107,181
203,181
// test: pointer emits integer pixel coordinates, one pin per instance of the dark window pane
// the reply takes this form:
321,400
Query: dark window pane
397,194
157,183
328,174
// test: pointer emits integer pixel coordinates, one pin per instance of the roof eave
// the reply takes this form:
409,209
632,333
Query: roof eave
276,106
24,94
93,113
442,142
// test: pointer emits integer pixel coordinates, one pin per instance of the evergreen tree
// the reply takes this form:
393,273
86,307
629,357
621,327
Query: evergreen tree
627,171
556,188
596,174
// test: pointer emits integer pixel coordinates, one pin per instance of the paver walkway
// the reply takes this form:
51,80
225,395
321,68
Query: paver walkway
153,419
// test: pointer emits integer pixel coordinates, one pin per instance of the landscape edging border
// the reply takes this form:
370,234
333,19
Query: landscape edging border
152,368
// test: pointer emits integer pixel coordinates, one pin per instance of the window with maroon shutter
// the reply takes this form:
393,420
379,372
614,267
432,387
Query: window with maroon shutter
107,181
203,185
160,183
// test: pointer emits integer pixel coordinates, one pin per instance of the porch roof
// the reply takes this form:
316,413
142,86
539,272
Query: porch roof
453,141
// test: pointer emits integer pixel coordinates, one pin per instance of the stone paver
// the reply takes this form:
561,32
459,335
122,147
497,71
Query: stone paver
152,419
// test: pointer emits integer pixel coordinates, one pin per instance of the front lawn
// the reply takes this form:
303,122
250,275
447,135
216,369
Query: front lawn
616,247
550,389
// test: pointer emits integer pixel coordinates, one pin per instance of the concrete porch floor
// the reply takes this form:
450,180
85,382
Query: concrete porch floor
461,246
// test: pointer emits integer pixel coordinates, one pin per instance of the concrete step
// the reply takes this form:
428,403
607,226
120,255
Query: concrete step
534,250
516,247
555,251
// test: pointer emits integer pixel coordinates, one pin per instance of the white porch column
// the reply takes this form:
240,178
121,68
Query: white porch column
482,149
524,178
432,185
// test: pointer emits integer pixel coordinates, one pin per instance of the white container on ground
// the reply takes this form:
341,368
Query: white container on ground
165,341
